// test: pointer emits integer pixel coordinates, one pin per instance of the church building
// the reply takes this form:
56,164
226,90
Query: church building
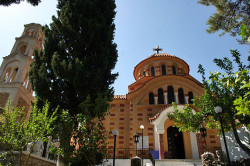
160,79
14,71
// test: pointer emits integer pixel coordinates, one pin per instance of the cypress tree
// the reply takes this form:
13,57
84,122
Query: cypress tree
74,71
78,57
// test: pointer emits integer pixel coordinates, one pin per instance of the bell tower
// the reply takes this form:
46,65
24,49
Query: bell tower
14,70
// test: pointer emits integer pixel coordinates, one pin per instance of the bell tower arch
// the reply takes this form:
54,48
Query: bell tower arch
14,70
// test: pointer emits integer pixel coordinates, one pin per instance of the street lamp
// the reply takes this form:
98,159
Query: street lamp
142,127
203,132
136,140
115,133
218,110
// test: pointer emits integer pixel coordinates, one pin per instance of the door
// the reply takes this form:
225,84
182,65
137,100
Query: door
175,143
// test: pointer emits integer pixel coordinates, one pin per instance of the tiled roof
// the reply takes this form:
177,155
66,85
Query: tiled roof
159,113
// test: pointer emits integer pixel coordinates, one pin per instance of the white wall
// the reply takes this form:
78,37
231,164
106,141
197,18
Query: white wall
235,152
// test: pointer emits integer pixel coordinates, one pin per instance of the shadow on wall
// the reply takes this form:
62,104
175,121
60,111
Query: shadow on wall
235,152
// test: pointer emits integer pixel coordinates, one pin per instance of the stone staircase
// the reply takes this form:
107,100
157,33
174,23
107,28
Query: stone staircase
177,162
147,162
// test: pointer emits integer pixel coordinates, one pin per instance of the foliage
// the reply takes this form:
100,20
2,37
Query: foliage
241,162
16,131
79,55
207,159
243,103
229,16
245,33
10,2
186,120
3,159
135,161
224,90
87,140
75,68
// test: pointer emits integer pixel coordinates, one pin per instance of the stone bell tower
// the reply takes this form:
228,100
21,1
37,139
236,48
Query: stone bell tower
14,70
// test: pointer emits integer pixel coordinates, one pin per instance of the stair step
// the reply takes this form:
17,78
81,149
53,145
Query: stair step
178,162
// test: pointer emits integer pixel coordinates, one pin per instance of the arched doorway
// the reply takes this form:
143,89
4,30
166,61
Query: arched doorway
175,143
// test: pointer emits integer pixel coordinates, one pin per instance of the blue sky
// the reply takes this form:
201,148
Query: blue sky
177,26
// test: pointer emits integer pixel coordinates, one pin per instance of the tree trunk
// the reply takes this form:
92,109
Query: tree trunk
243,147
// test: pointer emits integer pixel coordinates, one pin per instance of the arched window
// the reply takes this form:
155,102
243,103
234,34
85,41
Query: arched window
144,73
26,81
152,71
174,70
151,98
23,48
181,96
7,74
170,95
163,69
160,96
14,75
190,97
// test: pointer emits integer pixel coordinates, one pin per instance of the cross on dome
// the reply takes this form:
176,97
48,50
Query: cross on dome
157,49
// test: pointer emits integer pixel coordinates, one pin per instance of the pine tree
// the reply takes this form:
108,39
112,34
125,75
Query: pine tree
10,2
229,16
74,70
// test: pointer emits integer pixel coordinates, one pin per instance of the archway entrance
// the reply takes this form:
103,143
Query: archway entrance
175,143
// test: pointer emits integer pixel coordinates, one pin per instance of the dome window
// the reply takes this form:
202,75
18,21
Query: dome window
152,71
163,69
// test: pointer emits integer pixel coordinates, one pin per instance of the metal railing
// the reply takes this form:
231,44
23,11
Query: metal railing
128,153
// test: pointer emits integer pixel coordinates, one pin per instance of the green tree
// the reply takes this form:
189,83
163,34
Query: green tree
243,103
9,2
75,68
88,141
229,16
219,90
16,132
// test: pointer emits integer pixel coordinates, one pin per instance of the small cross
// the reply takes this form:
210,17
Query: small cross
157,49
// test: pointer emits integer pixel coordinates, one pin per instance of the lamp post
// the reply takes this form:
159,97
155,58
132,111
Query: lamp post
115,133
142,127
136,140
203,132
218,110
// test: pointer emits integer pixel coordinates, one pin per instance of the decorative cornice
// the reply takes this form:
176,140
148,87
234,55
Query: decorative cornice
159,55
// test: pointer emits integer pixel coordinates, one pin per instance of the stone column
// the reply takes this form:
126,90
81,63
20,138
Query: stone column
147,72
176,97
11,73
166,98
186,99
161,145
157,70
156,99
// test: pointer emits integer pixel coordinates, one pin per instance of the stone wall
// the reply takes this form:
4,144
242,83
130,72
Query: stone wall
235,152
3,99
34,160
